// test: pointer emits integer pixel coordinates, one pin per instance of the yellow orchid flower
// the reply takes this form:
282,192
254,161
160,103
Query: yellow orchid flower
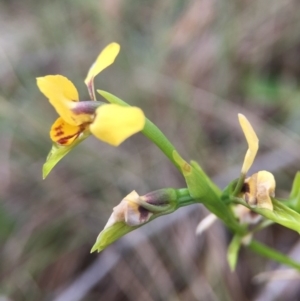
260,187
110,123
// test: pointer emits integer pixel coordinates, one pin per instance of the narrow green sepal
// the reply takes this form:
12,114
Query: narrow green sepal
57,152
110,235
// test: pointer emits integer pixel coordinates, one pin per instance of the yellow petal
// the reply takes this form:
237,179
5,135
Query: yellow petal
64,133
252,141
113,123
62,94
105,58
258,190
265,189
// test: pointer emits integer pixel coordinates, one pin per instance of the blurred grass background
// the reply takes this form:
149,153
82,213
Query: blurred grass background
191,66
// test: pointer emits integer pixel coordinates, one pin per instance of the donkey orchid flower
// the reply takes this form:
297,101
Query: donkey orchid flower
110,123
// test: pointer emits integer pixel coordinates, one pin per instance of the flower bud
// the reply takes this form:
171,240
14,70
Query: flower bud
161,198
134,211
129,211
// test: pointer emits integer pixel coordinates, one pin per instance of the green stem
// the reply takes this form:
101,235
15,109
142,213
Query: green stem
184,198
151,131
272,254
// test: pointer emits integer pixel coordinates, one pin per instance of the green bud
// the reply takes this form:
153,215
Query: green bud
135,211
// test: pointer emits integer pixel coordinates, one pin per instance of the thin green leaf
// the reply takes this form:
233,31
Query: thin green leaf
233,251
272,254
